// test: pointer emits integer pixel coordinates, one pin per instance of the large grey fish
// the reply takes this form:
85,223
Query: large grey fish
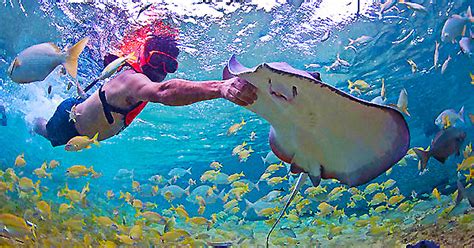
36,62
446,143
455,26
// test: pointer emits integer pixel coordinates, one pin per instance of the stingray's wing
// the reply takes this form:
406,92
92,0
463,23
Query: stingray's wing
322,129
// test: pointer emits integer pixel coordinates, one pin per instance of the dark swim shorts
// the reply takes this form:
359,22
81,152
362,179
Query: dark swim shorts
60,129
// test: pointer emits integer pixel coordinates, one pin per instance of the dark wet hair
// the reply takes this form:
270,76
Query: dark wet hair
165,44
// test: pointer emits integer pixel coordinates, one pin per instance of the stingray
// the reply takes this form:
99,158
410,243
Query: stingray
321,131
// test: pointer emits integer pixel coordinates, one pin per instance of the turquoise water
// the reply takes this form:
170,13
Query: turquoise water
194,136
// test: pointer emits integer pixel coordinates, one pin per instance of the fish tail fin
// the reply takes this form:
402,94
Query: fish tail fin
94,139
351,41
189,170
461,114
469,14
186,191
461,190
221,195
73,55
423,156
350,83
256,185
243,122
263,160
248,205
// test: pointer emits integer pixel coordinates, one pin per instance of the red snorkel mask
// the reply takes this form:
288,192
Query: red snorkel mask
160,60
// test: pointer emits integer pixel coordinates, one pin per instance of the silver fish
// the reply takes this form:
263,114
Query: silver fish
36,62
452,115
445,64
467,45
455,25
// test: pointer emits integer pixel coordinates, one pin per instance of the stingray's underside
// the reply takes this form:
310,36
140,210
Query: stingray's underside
322,130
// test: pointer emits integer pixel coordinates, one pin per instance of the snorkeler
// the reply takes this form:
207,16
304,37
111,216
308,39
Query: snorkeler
116,103
3,116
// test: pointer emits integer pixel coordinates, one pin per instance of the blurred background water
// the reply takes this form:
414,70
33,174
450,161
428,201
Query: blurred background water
307,37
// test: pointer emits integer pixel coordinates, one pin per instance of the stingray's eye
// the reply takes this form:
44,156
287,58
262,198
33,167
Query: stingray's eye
295,91
269,81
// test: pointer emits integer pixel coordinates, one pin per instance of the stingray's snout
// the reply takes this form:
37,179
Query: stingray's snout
282,92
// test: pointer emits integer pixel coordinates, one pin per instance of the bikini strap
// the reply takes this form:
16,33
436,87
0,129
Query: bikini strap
108,108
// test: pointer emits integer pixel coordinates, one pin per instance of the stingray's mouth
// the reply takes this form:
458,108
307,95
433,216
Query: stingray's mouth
281,95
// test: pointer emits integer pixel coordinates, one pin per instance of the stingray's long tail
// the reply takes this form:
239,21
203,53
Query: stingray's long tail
299,184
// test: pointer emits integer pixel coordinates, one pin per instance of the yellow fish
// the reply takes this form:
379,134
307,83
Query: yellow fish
471,116
436,194
239,148
53,164
79,143
136,203
358,86
77,171
20,160
104,221
25,184
466,163
231,204
276,180
5,187
325,209
235,177
41,172
244,154
274,167
135,186
127,196
378,198
216,165
209,175
371,188
36,62
388,184
136,232
351,204
472,78
395,199
180,211
313,191
110,194
15,223
174,235
268,211
153,217
235,127
64,208
44,208
199,221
